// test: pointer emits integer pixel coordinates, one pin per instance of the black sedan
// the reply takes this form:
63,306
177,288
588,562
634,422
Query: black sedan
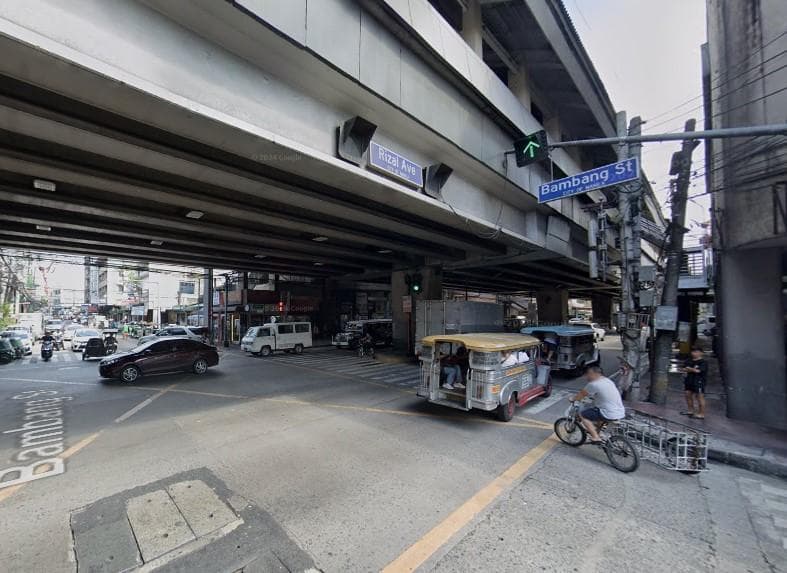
156,356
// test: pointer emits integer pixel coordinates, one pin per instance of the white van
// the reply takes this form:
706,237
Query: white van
287,336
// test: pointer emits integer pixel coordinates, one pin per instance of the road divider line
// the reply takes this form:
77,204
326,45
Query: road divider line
143,404
418,553
79,445
373,410
49,381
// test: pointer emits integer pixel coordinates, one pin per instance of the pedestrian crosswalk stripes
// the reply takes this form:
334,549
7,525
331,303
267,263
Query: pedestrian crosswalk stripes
401,375
59,357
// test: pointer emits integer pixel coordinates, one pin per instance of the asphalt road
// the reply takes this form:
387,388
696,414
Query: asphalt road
325,462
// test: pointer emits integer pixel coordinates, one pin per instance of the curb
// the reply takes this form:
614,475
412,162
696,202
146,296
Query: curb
756,464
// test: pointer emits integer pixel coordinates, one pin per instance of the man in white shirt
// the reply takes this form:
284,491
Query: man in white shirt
607,403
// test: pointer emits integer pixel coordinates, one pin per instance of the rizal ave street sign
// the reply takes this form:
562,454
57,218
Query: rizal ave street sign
612,174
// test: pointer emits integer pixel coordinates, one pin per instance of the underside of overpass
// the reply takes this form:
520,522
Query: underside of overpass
140,176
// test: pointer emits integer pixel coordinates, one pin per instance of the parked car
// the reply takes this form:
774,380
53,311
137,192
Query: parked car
167,355
381,331
7,352
16,344
81,336
168,331
24,338
68,332
600,332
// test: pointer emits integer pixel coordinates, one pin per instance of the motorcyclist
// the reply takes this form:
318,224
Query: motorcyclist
47,338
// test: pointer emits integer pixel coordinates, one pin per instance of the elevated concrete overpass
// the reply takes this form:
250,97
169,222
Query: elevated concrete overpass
205,133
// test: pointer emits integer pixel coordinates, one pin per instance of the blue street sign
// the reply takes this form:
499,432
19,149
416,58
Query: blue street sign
390,163
612,174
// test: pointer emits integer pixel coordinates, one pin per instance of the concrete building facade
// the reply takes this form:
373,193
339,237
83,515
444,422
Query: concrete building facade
745,81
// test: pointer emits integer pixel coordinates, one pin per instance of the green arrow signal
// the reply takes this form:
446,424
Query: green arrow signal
531,148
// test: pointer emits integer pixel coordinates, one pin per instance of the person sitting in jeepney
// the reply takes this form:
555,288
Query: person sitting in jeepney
509,359
451,368
522,357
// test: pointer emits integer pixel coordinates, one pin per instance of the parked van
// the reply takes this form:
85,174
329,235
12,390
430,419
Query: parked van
287,336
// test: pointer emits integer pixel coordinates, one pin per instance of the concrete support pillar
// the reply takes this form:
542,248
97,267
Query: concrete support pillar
472,27
519,84
404,322
752,327
552,306
602,309
329,314
207,303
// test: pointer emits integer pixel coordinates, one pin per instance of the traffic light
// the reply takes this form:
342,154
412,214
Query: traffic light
280,306
531,148
414,282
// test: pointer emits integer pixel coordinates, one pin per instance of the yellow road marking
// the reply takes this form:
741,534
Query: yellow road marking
9,491
404,413
429,544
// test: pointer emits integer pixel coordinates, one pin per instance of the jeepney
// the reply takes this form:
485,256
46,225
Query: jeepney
499,371
574,346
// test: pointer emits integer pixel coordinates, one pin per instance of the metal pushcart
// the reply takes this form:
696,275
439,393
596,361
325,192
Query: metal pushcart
669,444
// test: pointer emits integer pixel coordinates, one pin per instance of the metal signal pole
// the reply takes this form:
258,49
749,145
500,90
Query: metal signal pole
681,167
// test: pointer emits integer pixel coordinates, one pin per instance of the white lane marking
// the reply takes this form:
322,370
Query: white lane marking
542,404
68,368
146,402
49,381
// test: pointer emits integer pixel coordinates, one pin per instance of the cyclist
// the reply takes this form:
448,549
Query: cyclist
607,404
367,343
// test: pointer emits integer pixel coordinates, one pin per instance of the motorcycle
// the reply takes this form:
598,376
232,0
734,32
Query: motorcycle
46,350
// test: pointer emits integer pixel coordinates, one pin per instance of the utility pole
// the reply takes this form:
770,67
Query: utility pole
629,200
226,296
681,168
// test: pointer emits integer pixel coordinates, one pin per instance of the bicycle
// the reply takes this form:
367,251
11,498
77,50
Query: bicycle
620,451
366,350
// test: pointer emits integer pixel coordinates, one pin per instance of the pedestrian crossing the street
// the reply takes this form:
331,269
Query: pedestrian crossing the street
400,374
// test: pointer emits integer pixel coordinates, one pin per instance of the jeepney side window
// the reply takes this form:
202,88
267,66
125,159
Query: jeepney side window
484,360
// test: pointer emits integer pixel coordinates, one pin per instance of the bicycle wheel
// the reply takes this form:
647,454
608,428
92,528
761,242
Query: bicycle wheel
621,454
570,432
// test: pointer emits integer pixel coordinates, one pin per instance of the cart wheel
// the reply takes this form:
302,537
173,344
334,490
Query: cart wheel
298,349
506,411
129,374
570,432
621,454
265,351
200,366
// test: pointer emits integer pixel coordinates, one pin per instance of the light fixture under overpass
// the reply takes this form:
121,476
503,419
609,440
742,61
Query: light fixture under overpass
260,256
157,243
353,139
318,264
320,239
195,214
43,227
384,251
44,185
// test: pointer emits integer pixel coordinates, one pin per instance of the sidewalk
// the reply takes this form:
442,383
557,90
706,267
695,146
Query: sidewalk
743,444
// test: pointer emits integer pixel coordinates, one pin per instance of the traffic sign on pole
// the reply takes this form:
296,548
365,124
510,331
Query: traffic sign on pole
531,148
612,174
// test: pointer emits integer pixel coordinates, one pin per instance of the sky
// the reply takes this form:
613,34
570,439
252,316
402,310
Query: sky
647,53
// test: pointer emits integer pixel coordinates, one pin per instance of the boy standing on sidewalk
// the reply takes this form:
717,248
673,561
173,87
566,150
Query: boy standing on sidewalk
694,384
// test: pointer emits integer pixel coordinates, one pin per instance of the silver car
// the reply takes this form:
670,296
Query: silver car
168,331
81,336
